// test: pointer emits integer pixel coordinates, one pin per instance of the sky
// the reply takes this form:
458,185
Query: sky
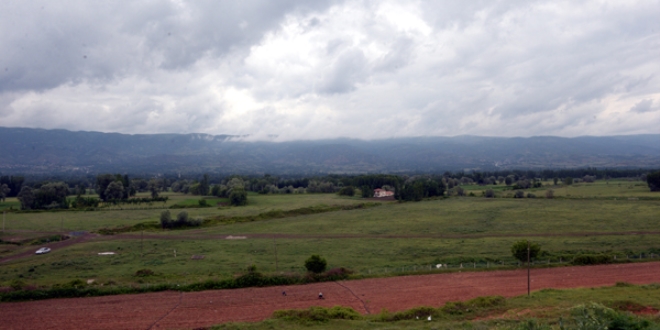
326,69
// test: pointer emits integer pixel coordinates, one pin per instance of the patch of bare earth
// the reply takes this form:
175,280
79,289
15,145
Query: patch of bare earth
166,310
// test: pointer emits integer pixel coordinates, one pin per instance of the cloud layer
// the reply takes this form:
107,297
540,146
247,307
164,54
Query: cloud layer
323,69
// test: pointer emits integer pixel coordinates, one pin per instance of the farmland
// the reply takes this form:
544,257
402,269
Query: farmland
377,240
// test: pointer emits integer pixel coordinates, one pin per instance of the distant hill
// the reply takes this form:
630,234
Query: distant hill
25,150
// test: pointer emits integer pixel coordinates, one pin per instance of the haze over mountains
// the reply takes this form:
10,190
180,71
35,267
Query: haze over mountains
25,150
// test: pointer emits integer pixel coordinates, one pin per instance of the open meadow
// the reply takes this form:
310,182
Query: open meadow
385,239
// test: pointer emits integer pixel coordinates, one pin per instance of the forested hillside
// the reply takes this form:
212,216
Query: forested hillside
26,150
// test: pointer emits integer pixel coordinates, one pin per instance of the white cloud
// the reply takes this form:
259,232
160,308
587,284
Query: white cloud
348,68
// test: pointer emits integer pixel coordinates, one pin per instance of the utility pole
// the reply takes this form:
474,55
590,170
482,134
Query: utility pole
275,246
528,282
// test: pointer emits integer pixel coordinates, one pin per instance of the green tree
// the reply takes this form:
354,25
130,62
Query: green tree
568,181
555,180
238,197
4,191
519,250
115,190
165,219
346,191
153,187
103,181
316,264
366,192
204,185
653,180
26,197
51,195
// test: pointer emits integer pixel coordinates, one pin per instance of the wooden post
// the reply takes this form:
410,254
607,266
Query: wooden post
528,281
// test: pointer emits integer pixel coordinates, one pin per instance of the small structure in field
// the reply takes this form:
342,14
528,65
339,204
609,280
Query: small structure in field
378,193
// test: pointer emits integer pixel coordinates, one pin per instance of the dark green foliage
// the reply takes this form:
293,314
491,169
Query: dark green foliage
519,194
489,193
420,188
316,264
14,184
144,272
473,305
102,182
568,181
318,314
238,197
203,188
519,250
346,191
653,180
26,197
51,195
203,203
366,192
592,259
85,202
182,220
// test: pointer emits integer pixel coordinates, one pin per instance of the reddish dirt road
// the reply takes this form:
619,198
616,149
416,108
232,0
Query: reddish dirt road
175,310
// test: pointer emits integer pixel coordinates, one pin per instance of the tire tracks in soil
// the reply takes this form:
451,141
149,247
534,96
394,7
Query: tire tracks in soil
169,312
356,296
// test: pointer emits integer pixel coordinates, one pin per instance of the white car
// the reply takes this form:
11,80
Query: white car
43,250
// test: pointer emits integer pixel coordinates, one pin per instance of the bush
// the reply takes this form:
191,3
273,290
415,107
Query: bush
549,194
653,180
238,197
489,193
530,195
318,314
592,259
165,219
144,272
346,191
519,250
203,203
315,264
519,194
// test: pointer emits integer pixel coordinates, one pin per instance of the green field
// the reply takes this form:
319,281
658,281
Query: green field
382,240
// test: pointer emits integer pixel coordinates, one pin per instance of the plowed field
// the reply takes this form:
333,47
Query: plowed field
175,310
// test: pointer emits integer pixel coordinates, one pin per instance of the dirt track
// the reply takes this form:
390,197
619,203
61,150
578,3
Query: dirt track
167,310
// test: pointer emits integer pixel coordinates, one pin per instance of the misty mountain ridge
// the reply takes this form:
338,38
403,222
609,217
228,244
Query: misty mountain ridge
26,150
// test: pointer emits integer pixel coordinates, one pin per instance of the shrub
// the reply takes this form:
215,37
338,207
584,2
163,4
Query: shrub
519,250
315,264
165,219
530,195
519,194
203,203
592,259
346,191
318,314
144,272
549,194
238,197
489,193
653,180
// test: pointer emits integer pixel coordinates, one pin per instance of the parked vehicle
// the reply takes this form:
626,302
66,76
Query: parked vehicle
43,250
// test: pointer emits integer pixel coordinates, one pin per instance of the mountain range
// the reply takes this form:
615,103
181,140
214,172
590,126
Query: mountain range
28,150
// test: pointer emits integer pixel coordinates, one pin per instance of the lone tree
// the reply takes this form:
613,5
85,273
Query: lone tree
519,250
4,191
653,180
26,196
316,264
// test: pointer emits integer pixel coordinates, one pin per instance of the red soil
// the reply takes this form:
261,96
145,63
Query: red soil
174,310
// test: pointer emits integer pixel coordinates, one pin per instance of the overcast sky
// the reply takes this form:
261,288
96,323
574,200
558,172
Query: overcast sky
323,69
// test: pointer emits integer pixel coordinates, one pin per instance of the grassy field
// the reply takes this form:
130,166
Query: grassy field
543,310
93,220
483,231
